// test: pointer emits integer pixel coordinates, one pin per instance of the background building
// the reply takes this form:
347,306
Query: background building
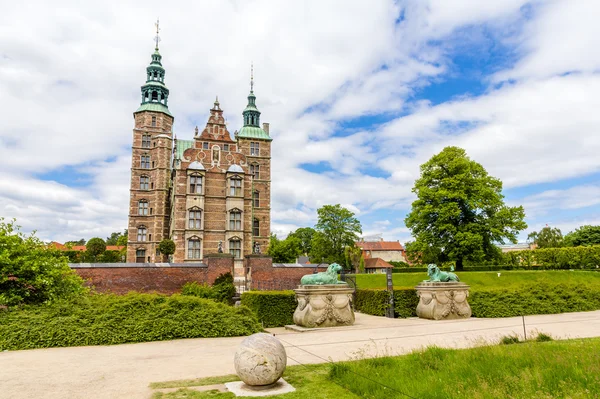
207,194
389,251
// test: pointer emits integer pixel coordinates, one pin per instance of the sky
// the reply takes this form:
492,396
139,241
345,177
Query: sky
358,94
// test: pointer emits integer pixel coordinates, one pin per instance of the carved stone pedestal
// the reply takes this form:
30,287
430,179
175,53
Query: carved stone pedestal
327,305
443,301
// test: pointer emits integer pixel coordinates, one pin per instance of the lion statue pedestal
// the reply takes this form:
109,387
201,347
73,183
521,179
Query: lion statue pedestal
325,305
443,300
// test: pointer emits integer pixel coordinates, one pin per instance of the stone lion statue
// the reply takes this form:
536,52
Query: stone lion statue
436,275
327,277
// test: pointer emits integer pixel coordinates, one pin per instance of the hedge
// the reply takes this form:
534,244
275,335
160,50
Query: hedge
222,290
108,319
273,308
527,299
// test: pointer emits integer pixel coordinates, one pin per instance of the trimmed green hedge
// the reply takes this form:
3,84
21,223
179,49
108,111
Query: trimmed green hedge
222,290
112,319
528,299
273,308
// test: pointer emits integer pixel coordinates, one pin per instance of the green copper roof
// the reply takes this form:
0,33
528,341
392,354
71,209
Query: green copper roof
155,83
182,145
156,107
253,132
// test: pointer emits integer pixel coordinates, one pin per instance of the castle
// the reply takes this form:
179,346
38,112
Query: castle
209,194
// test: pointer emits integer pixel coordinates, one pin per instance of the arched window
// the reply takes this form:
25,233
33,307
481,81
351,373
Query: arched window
235,220
142,231
235,248
195,184
256,199
194,248
140,255
143,208
255,228
144,180
235,186
195,218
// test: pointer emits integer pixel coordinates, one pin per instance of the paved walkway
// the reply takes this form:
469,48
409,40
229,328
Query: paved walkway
124,371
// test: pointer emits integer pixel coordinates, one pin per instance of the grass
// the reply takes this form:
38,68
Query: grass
533,369
485,280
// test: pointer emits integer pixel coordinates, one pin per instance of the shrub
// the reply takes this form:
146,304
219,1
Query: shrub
222,290
32,272
273,308
95,246
375,302
111,319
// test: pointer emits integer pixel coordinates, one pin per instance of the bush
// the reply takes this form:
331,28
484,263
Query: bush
31,272
273,308
222,290
112,319
525,299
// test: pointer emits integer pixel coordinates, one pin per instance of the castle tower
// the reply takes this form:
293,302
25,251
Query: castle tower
150,167
255,143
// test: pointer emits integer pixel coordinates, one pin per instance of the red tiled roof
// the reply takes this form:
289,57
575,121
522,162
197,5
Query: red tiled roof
376,263
380,245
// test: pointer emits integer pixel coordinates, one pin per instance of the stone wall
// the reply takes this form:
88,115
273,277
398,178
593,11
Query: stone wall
164,278
264,275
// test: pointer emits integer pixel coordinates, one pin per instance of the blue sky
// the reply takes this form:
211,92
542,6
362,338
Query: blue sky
358,95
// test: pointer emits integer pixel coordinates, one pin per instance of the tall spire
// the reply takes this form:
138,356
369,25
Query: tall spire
155,94
252,78
251,113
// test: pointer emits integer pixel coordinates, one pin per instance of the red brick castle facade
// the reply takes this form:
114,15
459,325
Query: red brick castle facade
207,194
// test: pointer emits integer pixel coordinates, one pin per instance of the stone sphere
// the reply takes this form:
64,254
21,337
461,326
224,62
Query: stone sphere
260,360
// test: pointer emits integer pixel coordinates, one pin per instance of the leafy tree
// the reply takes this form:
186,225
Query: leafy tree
166,247
584,235
353,255
95,246
116,237
122,240
336,228
547,237
284,251
32,272
460,213
305,234
73,243
361,265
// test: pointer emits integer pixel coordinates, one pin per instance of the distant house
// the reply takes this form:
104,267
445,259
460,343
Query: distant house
376,265
389,251
517,247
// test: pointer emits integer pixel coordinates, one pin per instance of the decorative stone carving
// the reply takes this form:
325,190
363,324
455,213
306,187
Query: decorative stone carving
443,301
260,360
326,305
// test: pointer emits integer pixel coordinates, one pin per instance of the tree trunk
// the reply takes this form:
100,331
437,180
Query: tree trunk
459,264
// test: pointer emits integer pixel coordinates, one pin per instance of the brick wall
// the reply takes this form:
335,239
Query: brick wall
162,278
264,275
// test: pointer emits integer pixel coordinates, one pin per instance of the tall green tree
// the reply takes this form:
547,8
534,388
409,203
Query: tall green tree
459,213
305,234
584,235
336,229
116,237
548,237
353,255
31,271
284,251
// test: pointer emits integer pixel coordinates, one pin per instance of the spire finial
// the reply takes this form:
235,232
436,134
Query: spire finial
157,38
252,77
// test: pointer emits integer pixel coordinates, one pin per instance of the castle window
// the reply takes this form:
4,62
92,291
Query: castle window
154,117
144,180
205,145
235,220
194,250
143,208
255,171
235,248
145,162
195,218
254,148
256,199
146,141
195,184
141,236
140,256
225,147
255,228
235,186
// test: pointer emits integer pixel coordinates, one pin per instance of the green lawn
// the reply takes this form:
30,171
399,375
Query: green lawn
484,280
563,369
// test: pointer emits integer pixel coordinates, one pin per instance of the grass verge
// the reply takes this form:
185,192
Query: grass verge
528,370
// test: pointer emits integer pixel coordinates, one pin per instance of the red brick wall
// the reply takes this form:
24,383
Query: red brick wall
164,280
265,276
